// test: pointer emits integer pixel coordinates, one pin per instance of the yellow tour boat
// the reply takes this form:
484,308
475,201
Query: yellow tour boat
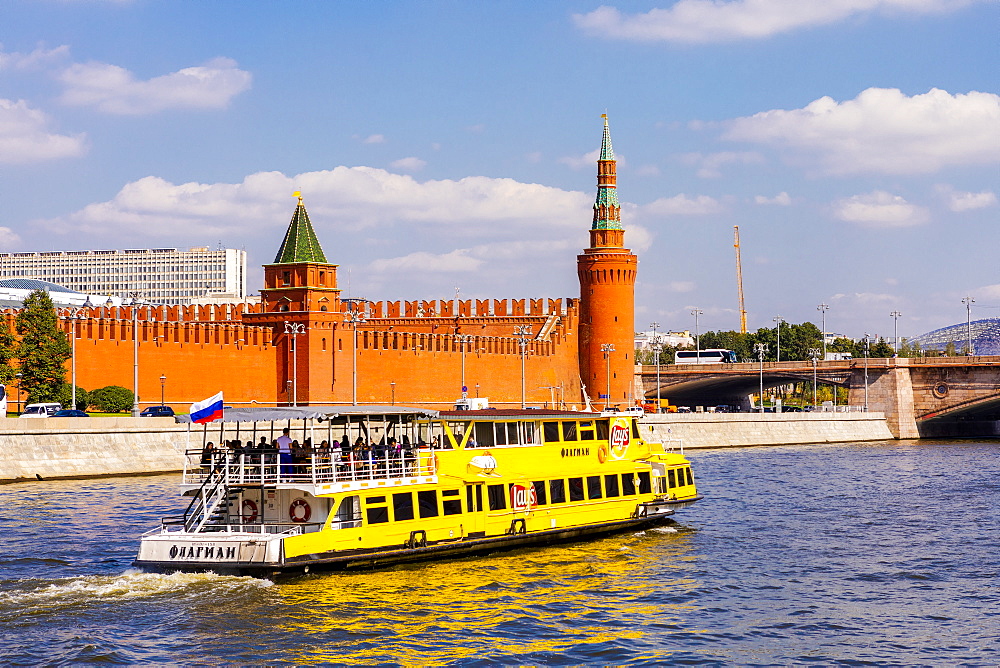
361,487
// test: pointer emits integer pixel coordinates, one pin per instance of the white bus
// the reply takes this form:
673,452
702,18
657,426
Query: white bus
708,356
3,401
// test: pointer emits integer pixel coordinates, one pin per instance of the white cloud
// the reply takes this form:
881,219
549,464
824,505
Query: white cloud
963,201
25,136
374,139
708,21
682,205
115,90
9,239
781,199
882,130
585,161
457,261
29,61
879,209
410,164
680,286
348,198
710,164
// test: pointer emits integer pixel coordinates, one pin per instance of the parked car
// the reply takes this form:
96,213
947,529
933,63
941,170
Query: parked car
791,409
157,411
40,410
69,412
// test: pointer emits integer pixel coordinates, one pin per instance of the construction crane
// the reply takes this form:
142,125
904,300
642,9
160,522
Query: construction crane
739,280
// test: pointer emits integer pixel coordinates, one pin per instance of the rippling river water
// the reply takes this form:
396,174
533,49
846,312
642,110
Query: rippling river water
874,553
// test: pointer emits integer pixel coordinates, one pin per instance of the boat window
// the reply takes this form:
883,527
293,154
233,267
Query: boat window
671,478
587,431
635,429
661,484
483,433
602,430
377,515
540,498
458,434
453,505
594,487
551,432
497,497
474,499
569,431
645,485
529,434
557,491
348,513
402,506
611,486
576,489
512,433
428,502
689,476
372,500
628,484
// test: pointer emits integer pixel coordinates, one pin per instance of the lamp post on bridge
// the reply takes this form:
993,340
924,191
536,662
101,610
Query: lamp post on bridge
968,301
867,341
814,355
895,315
697,336
761,349
822,308
778,320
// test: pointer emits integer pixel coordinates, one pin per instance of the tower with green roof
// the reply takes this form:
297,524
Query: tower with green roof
300,300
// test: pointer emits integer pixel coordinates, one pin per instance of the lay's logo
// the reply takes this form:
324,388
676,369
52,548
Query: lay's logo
522,498
619,439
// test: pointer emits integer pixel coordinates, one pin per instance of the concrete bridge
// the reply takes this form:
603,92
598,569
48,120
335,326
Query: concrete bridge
921,397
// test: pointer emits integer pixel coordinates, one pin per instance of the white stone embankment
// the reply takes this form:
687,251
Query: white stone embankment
89,447
726,430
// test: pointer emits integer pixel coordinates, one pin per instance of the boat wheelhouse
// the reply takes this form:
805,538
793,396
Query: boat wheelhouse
371,486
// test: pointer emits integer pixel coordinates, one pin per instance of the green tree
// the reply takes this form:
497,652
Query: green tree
8,351
43,349
82,398
881,349
111,399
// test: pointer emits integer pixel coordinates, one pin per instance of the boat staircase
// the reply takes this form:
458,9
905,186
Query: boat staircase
209,509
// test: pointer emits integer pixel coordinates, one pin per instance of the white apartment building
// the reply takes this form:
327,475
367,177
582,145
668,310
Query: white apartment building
159,275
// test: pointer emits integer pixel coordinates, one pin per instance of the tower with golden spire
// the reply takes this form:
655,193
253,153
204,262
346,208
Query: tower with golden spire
607,273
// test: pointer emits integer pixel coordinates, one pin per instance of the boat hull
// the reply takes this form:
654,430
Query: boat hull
237,559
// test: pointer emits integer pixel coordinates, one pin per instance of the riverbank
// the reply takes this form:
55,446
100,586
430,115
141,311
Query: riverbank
39,449
726,430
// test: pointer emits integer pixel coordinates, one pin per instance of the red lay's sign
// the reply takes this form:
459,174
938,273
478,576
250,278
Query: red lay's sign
522,497
619,439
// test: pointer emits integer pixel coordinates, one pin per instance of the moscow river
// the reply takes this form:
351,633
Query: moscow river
881,553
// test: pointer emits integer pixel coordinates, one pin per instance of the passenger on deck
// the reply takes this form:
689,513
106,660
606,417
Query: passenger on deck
284,445
206,456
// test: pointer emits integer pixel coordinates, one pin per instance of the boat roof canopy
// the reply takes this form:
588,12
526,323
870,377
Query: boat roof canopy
285,413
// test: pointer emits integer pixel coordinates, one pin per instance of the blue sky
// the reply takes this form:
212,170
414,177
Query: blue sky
445,146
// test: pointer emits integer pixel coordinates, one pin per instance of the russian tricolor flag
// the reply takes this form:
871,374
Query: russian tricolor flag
208,410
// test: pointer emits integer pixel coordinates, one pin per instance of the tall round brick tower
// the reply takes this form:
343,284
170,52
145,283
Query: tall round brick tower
607,294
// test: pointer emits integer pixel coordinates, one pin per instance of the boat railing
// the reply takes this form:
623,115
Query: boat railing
168,525
672,444
318,467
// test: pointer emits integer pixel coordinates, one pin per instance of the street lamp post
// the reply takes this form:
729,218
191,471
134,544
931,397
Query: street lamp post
392,388
607,349
814,355
355,318
895,315
867,340
778,320
136,302
19,376
522,332
295,329
72,322
163,388
761,349
462,340
657,348
968,301
697,336
822,308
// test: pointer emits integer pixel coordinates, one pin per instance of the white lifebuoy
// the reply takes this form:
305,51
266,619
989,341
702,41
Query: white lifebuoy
248,511
300,511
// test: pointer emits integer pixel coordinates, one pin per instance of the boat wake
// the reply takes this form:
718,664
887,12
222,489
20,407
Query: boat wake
130,585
